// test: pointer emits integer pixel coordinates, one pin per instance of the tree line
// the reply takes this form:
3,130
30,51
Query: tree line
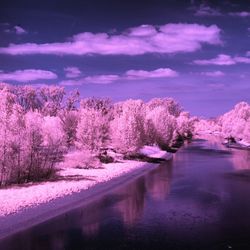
38,126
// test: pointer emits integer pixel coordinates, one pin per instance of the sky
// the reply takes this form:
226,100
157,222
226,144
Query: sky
194,51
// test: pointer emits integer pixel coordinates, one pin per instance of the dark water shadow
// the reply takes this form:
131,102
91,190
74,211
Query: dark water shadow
242,175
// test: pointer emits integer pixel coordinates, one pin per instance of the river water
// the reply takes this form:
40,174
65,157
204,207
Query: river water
200,200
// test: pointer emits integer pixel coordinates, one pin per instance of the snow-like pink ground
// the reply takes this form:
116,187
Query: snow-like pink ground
16,198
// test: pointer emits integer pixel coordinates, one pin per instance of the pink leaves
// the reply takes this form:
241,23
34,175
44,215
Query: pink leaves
36,127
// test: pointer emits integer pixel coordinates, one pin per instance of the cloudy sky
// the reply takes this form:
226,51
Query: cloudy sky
195,51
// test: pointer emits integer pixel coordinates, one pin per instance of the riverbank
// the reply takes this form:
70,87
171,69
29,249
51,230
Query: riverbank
228,142
26,205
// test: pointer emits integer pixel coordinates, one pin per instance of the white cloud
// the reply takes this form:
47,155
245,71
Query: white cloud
128,75
27,75
72,72
16,29
240,14
96,79
158,73
223,59
19,30
213,73
241,59
169,38
72,82
205,10
102,79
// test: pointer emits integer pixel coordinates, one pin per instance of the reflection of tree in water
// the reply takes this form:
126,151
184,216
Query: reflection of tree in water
71,227
90,219
131,207
44,236
91,229
158,182
241,159
213,142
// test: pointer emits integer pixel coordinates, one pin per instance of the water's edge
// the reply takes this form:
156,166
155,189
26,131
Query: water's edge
32,216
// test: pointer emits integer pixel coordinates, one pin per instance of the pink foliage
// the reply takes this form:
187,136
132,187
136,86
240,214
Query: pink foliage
53,126
128,133
52,131
91,130
185,124
30,143
169,104
93,126
164,126
69,121
235,123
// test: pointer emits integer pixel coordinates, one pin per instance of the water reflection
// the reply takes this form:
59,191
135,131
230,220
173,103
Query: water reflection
131,207
184,204
155,185
212,142
89,221
158,182
241,159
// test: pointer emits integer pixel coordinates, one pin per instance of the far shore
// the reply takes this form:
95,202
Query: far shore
25,206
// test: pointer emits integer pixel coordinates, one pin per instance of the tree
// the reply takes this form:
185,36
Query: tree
128,133
17,153
93,126
51,97
235,123
28,97
169,104
102,105
33,144
7,101
69,121
72,100
164,126
185,125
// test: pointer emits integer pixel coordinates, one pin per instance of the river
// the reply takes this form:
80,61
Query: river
200,200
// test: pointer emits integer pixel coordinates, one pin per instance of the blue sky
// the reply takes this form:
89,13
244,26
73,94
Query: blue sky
194,51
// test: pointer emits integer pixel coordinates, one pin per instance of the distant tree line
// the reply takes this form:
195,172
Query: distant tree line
234,124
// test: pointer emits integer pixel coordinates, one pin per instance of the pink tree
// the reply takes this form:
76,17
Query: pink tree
7,103
185,125
128,132
69,117
94,124
28,97
236,122
170,105
51,97
164,126
69,121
